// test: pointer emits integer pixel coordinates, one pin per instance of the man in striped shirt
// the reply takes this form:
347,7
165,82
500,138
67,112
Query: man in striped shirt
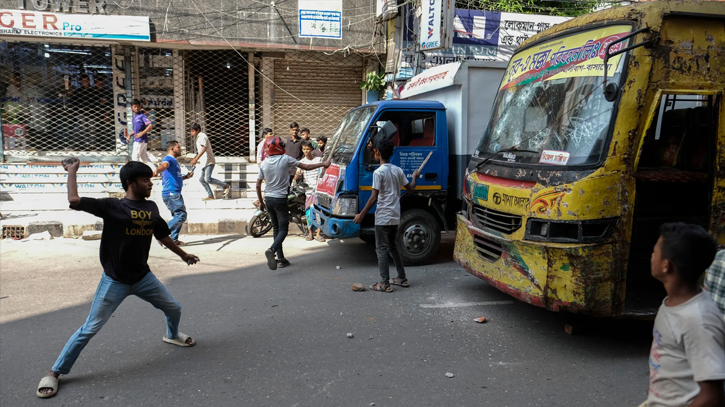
309,178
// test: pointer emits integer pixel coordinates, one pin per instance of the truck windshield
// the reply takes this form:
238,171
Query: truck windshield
550,108
345,139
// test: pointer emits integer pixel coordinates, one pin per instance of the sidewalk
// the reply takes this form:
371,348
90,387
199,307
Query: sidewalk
72,223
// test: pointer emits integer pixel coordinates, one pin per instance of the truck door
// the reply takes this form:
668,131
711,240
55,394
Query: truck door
418,135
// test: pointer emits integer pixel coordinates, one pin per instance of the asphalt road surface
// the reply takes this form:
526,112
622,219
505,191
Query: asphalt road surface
279,338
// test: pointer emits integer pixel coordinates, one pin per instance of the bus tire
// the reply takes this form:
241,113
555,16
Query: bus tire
418,238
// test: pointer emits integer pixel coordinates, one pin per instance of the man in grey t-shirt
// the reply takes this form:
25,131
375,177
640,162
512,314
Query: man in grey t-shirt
388,179
687,359
275,171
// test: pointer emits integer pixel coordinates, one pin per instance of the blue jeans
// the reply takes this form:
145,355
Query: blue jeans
109,295
206,179
278,209
176,206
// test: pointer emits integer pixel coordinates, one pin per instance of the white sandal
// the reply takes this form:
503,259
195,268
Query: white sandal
179,341
47,382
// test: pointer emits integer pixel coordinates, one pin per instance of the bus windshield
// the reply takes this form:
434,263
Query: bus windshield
550,108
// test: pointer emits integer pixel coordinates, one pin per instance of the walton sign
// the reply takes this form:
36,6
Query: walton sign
65,6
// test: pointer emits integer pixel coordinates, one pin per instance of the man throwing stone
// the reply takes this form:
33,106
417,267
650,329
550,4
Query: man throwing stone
128,225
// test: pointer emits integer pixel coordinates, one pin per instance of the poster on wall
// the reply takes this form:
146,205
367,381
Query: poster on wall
477,35
320,18
94,26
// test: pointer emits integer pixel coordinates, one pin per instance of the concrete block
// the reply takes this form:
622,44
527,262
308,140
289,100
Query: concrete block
91,235
55,228
75,230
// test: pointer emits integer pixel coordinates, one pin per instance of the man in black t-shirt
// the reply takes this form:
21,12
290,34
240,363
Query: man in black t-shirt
128,225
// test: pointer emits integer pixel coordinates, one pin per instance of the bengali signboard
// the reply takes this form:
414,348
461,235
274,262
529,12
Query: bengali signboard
320,18
87,26
328,184
572,56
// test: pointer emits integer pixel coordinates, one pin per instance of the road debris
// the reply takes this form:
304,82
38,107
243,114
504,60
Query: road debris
450,375
350,335
358,287
481,320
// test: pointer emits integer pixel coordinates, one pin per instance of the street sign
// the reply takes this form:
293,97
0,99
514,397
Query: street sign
436,25
320,18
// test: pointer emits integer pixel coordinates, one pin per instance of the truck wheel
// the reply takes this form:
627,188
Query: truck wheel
418,237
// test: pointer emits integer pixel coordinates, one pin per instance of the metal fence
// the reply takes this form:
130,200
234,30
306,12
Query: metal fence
70,99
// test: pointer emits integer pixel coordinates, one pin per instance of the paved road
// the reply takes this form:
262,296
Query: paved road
278,338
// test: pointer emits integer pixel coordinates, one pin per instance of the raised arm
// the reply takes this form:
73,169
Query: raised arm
410,187
72,169
307,167
162,167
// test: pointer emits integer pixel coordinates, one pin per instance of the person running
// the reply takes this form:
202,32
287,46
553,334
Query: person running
275,171
128,225
387,181
687,358
205,158
141,128
172,183
310,179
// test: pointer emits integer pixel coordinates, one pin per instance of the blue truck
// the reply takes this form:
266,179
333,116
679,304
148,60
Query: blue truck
447,127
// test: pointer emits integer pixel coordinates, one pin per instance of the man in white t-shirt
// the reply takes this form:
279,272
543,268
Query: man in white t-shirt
687,359
205,159
275,170
388,179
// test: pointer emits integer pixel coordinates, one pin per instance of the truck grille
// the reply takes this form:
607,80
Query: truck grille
498,221
487,248
324,200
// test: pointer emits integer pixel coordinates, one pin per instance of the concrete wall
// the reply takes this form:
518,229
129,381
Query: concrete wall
244,23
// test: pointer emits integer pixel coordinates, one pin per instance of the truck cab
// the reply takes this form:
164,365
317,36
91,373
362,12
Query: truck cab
346,185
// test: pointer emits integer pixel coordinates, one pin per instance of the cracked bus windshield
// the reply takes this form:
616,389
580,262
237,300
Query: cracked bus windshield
345,138
551,101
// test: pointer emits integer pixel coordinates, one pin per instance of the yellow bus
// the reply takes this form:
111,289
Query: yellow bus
604,128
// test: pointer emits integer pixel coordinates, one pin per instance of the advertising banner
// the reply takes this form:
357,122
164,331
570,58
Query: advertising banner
572,56
90,26
320,18
328,184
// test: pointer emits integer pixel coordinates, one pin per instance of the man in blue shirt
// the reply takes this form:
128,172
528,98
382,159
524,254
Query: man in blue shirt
141,128
171,190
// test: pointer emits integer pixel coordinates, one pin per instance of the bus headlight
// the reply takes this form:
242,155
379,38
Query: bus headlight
585,231
345,206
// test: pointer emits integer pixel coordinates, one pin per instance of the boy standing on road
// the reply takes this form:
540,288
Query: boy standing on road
387,181
275,171
687,359
172,183
141,128
309,178
128,225
205,158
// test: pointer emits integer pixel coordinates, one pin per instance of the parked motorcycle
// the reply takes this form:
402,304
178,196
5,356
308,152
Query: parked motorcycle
260,223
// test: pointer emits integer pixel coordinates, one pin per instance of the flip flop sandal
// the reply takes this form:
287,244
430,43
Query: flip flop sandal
320,239
47,382
308,238
179,341
381,287
400,282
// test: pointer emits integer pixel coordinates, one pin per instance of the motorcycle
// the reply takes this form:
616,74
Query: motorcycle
260,223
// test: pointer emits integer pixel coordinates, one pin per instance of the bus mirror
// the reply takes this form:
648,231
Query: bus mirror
611,91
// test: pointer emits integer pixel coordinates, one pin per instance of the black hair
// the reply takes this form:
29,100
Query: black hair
323,139
306,143
133,170
195,127
266,131
99,77
689,247
293,125
136,102
385,148
305,130
84,76
170,144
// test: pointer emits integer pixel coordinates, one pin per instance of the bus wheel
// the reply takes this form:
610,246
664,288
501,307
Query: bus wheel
418,237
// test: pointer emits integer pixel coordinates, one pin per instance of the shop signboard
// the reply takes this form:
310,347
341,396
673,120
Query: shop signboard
26,23
320,18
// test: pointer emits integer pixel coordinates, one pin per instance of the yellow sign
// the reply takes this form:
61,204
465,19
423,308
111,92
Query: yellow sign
575,55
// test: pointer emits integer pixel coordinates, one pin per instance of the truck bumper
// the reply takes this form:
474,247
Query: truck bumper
575,278
339,228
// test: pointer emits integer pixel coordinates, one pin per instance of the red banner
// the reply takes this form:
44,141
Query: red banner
328,185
